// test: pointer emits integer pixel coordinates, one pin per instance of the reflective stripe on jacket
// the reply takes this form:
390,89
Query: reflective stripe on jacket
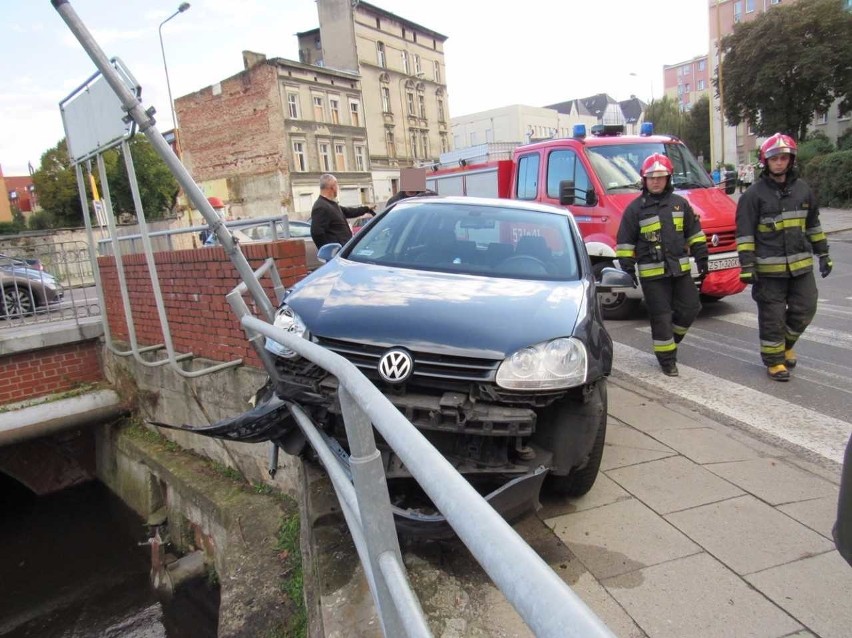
658,234
778,229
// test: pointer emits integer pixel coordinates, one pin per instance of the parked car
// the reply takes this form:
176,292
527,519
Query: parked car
26,290
478,319
359,223
265,232
27,262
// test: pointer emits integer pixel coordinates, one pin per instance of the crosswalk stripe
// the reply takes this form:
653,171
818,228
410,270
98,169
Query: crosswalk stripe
812,333
821,434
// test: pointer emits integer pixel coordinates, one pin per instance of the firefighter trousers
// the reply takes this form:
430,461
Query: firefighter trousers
673,305
785,307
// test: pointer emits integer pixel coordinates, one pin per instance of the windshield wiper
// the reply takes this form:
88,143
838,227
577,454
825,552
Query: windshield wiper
634,186
688,185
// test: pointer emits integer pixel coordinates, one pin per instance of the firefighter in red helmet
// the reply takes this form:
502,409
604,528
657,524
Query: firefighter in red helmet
658,233
778,234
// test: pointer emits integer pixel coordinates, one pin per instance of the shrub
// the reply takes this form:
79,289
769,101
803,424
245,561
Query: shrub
817,144
831,178
844,140
41,220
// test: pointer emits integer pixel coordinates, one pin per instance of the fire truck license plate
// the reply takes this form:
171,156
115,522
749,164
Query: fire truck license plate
724,264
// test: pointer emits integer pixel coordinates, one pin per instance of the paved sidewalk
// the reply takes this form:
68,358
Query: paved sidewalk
693,529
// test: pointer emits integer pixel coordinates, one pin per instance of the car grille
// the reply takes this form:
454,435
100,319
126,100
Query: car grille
727,241
429,368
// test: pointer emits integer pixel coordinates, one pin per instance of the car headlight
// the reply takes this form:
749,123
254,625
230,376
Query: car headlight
290,322
561,363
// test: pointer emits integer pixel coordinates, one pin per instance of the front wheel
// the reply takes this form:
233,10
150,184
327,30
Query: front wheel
18,301
614,305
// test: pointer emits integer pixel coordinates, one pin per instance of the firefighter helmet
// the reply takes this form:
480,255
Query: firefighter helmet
776,145
656,165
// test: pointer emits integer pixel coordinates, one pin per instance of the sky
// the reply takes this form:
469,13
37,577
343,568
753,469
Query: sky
534,52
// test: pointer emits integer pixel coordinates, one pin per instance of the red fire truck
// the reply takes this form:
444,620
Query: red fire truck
596,177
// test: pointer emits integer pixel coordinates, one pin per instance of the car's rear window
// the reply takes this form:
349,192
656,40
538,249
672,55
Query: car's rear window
470,238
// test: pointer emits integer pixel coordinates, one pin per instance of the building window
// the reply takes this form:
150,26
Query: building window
334,107
422,104
445,143
700,85
293,105
340,157
424,144
378,24
319,109
749,6
843,115
702,64
299,157
412,140
409,95
441,116
360,158
437,71
414,35
390,143
380,54
822,118
386,101
355,113
738,11
418,68
405,69
774,1
325,157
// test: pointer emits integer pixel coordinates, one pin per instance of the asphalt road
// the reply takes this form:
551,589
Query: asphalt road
722,375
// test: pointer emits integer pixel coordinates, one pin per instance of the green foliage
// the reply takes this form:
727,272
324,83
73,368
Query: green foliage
844,140
666,116
289,551
41,220
787,64
696,128
56,184
817,144
830,176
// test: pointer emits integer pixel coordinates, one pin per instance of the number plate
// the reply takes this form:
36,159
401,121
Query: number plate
724,264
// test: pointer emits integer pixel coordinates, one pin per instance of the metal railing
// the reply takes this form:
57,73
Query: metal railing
543,600
46,281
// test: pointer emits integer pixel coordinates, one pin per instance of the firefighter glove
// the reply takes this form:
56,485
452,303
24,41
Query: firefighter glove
825,265
748,277
703,270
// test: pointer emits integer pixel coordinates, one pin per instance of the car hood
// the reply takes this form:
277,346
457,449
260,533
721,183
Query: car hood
461,315
713,206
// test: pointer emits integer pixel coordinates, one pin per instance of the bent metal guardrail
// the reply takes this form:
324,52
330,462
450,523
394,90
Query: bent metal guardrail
543,600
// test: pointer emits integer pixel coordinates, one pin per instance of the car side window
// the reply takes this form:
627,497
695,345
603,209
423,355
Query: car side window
562,165
527,186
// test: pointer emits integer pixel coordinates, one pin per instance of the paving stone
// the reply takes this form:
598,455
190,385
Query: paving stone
819,514
604,492
620,538
706,445
697,596
816,591
673,484
774,481
627,446
648,415
736,532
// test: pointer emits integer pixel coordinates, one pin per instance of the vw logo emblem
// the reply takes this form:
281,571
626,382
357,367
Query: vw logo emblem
395,366
714,240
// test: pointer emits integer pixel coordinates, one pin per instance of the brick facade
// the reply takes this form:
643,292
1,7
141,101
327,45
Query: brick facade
27,375
194,284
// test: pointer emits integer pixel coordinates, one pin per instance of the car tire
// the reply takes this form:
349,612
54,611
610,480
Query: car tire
18,302
614,305
581,479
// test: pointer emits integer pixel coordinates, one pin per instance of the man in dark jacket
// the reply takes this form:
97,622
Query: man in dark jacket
658,232
328,218
778,233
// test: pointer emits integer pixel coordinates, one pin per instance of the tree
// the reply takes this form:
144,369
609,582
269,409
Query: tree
787,64
56,184
696,127
666,116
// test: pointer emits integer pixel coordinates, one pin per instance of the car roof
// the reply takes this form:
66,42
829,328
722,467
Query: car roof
484,201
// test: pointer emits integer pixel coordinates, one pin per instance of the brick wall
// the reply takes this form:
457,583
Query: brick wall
194,284
26,375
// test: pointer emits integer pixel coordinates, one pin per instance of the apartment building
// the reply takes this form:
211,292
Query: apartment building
403,82
687,81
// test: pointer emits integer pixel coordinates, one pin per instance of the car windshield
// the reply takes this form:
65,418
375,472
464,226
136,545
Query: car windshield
475,239
617,165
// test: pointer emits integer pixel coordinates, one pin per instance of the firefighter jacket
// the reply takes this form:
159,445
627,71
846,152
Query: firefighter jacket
658,233
778,229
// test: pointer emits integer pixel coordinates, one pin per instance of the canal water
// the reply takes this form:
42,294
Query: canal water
71,566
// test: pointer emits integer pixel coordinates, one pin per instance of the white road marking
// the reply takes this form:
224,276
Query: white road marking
821,434
813,333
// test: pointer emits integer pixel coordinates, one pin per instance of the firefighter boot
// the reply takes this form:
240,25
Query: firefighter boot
669,368
778,373
790,358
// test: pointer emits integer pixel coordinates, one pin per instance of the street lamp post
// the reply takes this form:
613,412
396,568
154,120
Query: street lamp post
183,7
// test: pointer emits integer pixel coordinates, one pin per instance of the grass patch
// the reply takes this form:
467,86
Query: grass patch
293,583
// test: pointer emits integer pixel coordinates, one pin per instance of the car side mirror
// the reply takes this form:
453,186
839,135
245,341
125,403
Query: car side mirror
567,192
730,186
612,278
328,252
